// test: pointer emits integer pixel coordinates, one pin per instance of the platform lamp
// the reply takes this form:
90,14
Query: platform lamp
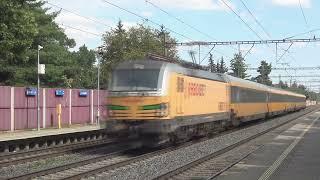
41,70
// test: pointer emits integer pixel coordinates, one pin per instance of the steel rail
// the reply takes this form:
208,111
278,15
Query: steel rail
180,170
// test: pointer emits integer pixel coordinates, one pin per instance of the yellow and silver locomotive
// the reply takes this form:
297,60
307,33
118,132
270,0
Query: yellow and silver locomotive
166,101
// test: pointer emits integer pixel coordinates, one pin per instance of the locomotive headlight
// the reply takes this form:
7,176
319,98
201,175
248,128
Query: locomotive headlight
163,106
161,110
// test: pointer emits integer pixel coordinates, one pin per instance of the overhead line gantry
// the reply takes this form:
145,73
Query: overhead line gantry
224,43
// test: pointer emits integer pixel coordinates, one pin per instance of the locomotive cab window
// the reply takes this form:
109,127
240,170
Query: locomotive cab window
136,80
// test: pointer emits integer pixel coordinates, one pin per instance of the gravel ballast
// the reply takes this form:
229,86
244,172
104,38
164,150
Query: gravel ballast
161,164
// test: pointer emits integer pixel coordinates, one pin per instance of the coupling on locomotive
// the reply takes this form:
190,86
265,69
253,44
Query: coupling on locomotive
163,101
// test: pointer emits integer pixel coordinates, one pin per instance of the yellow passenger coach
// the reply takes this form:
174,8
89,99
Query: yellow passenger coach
164,101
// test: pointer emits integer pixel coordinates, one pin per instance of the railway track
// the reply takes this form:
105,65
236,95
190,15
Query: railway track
109,162
101,163
214,164
33,155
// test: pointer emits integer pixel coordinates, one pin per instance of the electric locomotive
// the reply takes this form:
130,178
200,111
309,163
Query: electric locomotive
162,101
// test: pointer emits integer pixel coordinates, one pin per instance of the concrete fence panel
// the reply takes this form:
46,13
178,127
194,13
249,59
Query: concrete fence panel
18,111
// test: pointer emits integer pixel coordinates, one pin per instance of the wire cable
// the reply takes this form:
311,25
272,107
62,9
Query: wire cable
146,19
234,12
77,14
74,28
286,51
180,20
256,20
302,12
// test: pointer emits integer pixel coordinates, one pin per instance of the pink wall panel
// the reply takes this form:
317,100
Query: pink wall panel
23,101
52,100
51,117
80,115
103,97
5,94
80,101
65,115
103,103
4,119
26,118
26,113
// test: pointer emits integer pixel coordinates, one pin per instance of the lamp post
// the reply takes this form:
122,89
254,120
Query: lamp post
38,88
98,85
98,110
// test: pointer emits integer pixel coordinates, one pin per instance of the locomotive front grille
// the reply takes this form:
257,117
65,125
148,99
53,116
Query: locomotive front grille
138,112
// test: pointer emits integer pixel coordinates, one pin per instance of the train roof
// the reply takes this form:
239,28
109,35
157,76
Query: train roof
150,63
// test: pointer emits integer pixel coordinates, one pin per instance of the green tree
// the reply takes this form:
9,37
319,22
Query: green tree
18,27
238,66
264,70
212,66
23,26
294,85
222,67
83,73
120,45
282,85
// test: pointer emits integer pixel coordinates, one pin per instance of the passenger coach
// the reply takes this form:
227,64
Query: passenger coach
161,100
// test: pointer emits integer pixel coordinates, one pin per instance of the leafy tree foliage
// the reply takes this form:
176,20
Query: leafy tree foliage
282,85
23,26
122,44
221,66
238,66
264,70
212,66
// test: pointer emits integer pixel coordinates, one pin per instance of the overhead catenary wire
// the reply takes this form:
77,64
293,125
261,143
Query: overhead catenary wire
77,14
302,12
180,20
248,51
251,29
146,19
207,54
188,25
78,29
234,12
303,33
255,19
248,26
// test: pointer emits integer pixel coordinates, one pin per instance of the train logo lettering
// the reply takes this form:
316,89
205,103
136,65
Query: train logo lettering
195,89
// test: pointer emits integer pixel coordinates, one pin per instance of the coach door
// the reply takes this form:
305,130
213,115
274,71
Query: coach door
180,94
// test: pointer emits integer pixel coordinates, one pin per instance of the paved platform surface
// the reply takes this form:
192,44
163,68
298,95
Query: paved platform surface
7,136
292,155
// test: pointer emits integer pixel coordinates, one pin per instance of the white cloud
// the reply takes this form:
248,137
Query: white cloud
84,31
193,4
71,22
304,3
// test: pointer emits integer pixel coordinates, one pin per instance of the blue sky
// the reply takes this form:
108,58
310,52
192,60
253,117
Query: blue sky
280,18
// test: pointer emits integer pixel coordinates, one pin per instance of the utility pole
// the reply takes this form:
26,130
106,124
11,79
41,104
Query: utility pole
98,84
98,109
38,88
199,55
163,33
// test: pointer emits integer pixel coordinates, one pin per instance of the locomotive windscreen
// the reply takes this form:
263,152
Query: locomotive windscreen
135,80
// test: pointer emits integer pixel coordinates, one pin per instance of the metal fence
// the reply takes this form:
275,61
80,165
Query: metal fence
19,111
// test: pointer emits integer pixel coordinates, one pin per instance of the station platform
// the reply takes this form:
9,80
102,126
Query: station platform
292,155
26,134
